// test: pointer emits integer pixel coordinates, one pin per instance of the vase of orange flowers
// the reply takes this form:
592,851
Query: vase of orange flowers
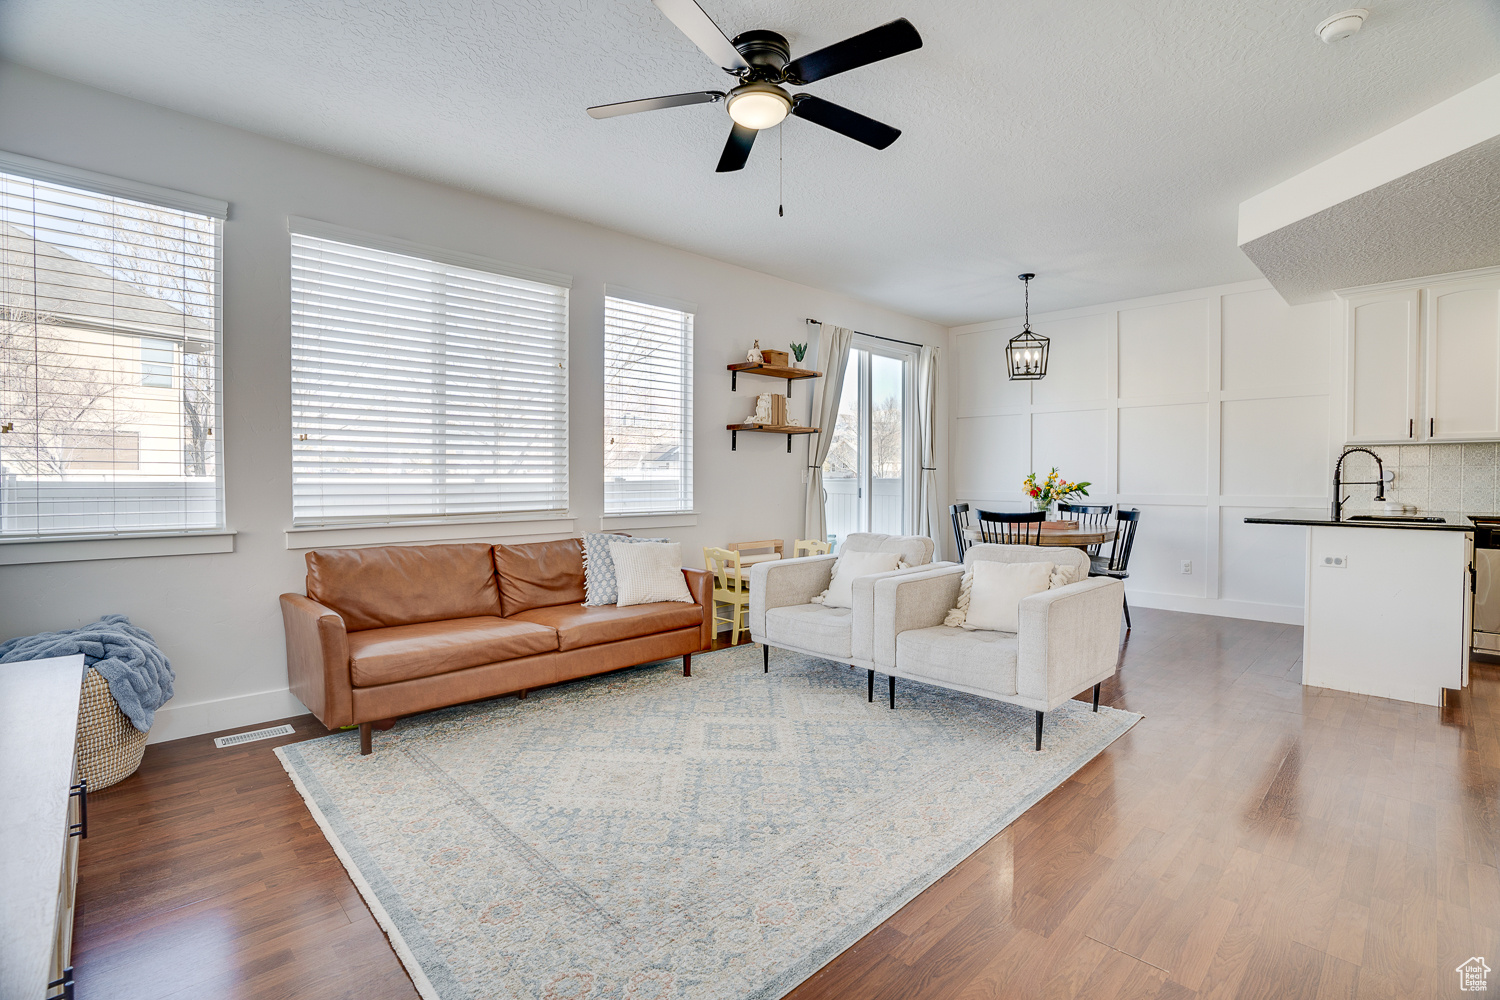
1049,491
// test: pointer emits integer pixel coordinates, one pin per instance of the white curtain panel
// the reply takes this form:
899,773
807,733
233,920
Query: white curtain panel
930,521
833,357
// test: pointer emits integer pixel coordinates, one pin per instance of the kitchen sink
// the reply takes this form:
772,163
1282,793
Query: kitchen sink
1406,518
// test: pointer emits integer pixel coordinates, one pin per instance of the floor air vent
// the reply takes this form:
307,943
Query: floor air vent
255,734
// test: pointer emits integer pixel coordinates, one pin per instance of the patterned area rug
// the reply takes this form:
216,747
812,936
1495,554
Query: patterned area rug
647,835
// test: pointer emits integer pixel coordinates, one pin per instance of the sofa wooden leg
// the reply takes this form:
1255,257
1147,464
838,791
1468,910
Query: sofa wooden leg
892,679
872,687
521,694
1039,730
687,664
365,739
1096,697
765,654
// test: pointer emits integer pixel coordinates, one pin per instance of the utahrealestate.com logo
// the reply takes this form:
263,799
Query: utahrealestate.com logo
1472,975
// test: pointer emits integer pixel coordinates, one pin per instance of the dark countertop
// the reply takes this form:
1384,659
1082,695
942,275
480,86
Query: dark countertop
1451,520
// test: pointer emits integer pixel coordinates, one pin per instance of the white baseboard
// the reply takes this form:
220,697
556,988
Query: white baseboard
1279,613
174,721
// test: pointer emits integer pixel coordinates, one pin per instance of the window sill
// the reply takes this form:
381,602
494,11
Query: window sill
649,519
22,552
537,526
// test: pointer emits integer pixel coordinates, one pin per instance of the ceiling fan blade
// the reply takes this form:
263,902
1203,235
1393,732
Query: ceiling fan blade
700,28
655,103
843,121
737,149
871,46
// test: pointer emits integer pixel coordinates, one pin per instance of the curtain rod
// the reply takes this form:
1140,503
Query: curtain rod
875,336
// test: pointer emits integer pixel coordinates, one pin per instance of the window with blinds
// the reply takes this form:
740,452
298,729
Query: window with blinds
422,389
648,408
109,362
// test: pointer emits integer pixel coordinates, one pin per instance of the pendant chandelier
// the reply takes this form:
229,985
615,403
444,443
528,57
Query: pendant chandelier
1026,354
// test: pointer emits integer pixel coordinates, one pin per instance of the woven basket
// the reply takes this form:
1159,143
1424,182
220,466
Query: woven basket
109,747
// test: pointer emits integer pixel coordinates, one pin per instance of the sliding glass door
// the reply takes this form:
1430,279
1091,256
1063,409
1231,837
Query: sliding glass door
867,475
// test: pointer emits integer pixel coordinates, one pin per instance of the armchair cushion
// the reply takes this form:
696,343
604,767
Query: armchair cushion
786,583
980,661
812,627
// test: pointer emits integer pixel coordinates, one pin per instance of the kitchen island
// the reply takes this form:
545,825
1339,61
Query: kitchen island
1388,604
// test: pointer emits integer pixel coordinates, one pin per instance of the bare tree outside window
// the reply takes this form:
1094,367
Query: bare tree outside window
52,401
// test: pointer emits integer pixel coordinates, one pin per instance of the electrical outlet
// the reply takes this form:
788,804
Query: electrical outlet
1187,567
1336,562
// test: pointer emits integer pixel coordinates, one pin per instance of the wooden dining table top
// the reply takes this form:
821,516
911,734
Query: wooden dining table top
1055,535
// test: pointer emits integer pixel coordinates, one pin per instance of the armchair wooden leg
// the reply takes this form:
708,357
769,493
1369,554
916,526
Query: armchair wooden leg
893,690
365,739
687,664
1039,730
1127,614
765,652
871,699
1096,697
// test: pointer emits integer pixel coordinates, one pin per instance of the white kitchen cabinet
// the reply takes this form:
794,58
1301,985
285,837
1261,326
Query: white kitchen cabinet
1387,611
1382,337
1462,332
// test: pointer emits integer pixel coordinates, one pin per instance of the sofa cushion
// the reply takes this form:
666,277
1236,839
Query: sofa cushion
580,625
404,584
539,574
979,661
402,652
813,627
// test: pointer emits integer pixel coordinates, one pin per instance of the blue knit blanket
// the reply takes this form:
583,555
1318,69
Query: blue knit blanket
139,676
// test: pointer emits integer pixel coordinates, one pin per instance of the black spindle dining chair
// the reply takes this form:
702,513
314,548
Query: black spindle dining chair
1092,516
1011,529
1117,563
959,512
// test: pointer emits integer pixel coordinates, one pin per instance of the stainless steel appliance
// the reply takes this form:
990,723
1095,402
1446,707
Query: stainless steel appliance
1487,584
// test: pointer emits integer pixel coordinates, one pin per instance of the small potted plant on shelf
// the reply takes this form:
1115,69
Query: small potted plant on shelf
798,352
1052,489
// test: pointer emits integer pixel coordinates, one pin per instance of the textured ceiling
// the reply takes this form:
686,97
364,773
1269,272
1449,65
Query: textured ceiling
1105,144
1442,218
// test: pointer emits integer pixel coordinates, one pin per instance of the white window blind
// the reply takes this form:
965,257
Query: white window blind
648,407
109,363
422,389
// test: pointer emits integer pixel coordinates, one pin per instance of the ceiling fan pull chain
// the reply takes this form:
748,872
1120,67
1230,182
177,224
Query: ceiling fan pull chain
780,148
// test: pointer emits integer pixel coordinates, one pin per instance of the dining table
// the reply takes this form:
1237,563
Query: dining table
1056,535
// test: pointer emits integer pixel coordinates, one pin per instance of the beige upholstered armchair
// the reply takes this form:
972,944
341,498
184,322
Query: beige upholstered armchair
1068,641
783,613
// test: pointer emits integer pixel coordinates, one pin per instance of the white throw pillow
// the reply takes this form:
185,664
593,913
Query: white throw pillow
647,572
851,566
1062,576
997,592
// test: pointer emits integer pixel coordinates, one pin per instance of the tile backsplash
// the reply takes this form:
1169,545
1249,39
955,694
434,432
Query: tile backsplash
1432,476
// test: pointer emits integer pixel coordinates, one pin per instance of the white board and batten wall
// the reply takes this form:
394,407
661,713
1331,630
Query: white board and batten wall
1200,408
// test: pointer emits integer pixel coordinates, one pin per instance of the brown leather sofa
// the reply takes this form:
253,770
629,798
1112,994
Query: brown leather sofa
393,630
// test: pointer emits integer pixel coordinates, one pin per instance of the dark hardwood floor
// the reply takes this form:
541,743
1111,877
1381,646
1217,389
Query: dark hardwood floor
1248,838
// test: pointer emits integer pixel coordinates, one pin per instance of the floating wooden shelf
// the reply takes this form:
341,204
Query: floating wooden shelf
769,371
788,430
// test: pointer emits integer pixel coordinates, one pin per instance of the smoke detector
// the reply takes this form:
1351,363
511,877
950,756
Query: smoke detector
1342,25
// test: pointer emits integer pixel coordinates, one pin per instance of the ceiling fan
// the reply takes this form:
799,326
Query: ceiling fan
762,62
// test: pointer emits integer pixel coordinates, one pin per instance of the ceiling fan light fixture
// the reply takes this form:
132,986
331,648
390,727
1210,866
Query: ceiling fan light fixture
759,105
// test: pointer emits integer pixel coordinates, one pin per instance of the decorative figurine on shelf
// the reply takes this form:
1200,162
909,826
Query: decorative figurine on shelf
753,355
762,414
798,352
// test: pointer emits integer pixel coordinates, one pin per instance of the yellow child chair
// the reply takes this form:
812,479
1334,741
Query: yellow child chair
807,547
731,587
